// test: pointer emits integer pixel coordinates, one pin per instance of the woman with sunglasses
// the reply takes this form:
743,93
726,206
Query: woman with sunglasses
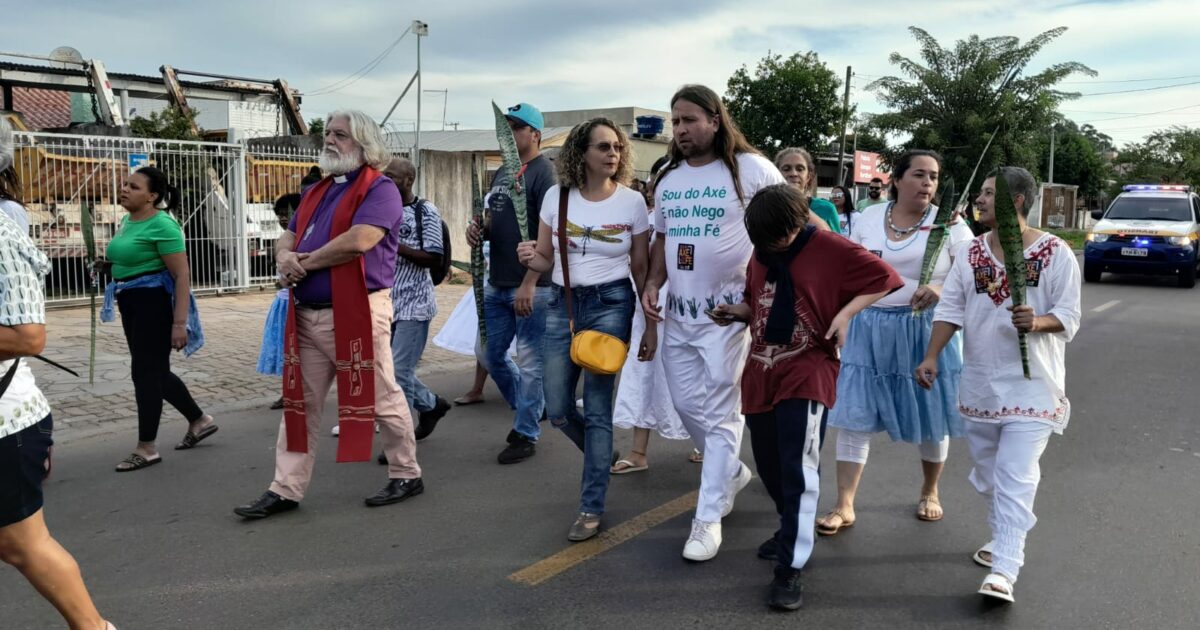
607,235
840,198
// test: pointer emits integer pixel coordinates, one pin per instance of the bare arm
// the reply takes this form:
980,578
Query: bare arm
348,245
540,258
841,321
639,260
419,257
656,275
177,266
22,340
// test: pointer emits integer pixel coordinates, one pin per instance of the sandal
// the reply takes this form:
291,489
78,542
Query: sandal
624,466
136,462
923,508
997,586
825,529
979,557
696,457
192,439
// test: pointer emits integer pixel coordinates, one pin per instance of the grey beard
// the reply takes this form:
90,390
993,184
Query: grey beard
332,164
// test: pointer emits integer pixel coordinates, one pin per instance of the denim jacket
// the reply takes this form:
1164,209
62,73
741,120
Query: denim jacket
195,334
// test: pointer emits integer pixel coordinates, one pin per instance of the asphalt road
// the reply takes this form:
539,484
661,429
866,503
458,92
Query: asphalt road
1117,544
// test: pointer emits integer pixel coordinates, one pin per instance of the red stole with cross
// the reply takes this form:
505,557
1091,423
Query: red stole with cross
355,348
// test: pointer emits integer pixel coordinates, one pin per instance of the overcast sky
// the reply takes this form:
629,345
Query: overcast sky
562,54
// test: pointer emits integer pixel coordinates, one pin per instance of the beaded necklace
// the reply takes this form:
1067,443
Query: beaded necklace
887,241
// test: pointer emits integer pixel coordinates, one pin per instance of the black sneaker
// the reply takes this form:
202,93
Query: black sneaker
769,550
513,437
427,420
786,591
518,450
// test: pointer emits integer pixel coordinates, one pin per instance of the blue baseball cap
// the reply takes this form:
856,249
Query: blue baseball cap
527,114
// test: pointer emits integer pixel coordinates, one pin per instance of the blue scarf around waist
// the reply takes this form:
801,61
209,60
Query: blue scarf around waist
195,334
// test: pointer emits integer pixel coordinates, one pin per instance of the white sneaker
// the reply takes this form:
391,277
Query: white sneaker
739,481
704,541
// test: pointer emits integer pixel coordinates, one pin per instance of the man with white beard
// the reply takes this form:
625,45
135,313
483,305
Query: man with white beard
338,256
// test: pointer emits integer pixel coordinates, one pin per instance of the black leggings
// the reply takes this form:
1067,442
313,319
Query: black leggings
146,316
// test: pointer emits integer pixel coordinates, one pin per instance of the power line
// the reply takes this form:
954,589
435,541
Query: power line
1150,89
337,86
1138,115
1189,76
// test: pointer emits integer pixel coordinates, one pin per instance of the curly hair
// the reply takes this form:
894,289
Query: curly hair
572,167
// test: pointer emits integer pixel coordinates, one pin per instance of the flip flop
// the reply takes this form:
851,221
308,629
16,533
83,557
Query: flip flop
978,557
136,462
997,581
628,467
826,530
696,457
463,401
192,439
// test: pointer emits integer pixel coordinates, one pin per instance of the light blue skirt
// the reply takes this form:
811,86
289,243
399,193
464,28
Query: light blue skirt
877,390
270,355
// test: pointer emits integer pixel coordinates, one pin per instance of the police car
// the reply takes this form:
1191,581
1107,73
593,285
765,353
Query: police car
1148,230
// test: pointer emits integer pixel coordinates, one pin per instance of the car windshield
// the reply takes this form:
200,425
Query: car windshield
1150,209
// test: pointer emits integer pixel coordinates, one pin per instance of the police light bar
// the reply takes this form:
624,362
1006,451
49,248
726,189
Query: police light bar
1159,187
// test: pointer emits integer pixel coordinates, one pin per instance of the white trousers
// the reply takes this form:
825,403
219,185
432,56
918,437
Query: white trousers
1007,473
703,363
854,446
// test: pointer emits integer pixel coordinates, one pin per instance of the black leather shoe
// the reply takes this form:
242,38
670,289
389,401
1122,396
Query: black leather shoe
428,419
396,491
518,450
786,591
769,550
268,504
381,459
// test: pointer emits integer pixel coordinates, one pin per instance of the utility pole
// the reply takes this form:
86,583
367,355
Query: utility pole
1050,174
841,180
420,29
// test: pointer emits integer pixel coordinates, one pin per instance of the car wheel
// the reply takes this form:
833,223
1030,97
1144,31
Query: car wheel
1186,280
1091,273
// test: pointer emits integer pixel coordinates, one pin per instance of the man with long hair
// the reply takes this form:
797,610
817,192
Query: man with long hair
338,256
702,249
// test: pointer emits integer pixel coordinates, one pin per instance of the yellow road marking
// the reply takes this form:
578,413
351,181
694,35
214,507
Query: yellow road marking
543,570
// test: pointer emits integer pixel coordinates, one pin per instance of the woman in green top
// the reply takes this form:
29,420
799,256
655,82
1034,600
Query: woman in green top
800,171
148,257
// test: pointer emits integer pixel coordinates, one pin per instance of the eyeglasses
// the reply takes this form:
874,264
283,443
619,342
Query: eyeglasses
836,195
605,147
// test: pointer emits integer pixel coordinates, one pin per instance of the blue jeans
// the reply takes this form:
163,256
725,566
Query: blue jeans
519,381
607,308
408,344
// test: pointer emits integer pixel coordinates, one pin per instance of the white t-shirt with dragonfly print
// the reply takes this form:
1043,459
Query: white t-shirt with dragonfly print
599,234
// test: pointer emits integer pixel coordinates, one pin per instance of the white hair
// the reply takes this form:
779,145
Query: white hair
368,135
6,145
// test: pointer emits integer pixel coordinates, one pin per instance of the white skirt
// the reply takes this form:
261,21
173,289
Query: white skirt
643,400
460,333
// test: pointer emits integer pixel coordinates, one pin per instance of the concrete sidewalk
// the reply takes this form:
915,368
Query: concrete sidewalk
220,376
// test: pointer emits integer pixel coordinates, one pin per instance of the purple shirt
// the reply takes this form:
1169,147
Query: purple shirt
382,207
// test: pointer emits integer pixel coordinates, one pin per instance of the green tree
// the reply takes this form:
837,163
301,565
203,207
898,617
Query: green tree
316,127
1167,156
956,97
786,102
171,123
1076,161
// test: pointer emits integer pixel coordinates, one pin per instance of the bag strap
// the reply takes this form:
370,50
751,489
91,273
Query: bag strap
8,376
563,192
419,209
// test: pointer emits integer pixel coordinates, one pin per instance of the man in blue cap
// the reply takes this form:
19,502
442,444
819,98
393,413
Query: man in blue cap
515,297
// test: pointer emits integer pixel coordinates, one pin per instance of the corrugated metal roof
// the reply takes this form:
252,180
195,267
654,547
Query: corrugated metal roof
462,140
78,72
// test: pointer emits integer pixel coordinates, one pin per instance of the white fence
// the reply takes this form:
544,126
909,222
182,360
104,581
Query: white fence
226,210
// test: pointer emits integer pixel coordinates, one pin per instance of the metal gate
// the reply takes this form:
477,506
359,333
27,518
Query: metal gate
230,237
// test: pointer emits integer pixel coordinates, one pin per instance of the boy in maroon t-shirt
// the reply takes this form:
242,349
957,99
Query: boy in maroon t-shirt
802,287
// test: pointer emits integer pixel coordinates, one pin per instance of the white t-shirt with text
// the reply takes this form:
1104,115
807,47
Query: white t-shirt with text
599,234
906,256
698,213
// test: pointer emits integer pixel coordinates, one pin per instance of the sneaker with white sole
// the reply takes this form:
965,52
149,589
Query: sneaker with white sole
739,481
704,541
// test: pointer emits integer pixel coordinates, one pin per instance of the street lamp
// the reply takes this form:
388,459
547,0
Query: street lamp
420,29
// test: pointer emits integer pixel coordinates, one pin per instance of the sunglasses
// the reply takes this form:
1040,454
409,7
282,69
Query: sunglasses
874,188
837,194
605,147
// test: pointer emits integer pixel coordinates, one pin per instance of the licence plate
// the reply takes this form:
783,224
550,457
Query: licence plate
1134,251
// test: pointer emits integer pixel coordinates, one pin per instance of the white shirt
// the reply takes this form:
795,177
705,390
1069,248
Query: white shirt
993,387
16,212
21,302
599,234
698,213
870,231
